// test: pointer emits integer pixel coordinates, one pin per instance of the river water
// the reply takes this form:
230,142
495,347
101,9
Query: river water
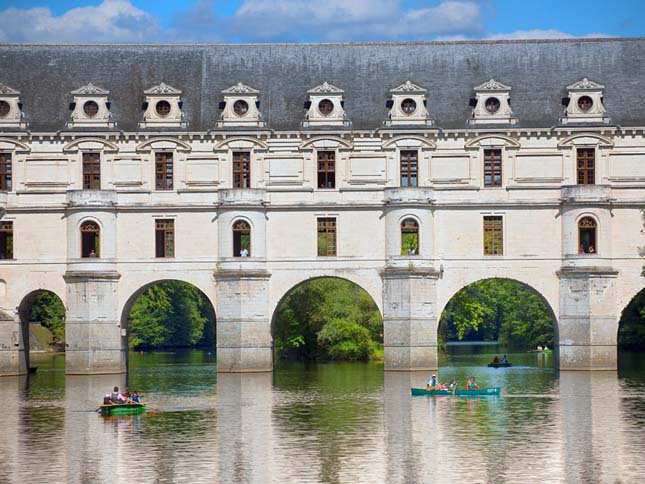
326,423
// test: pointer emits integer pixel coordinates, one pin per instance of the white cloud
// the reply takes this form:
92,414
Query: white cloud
111,21
540,34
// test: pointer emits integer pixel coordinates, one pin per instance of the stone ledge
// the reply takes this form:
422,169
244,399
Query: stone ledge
410,272
91,198
82,276
569,272
233,274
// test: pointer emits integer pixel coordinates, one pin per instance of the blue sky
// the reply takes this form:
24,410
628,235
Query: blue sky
88,21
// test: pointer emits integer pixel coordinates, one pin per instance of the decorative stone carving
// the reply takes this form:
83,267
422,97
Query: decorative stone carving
585,103
91,108
10,108
325,107
492,104
163,108
241,107
408,106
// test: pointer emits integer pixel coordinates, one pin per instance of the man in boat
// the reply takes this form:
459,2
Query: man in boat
433,384
116,396
472,384
504,360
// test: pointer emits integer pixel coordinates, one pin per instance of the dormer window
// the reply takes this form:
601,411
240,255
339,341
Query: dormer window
241,107
407,106
585,103
325,107
492,104
90,108
10,108
163,108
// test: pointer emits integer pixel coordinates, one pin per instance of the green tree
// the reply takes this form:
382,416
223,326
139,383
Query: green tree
48,309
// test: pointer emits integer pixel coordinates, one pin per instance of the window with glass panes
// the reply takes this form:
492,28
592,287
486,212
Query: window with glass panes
326,169
492,168
163,171
164,238
586,161
5,172
409,168
493,236
241,169
91,171
6,240
326,236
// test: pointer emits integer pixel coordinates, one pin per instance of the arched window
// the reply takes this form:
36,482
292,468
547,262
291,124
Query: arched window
90,232
241,239
587,236
409,237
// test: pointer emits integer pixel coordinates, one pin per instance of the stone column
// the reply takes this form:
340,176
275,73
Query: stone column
409,318
588,324
13,357
243,323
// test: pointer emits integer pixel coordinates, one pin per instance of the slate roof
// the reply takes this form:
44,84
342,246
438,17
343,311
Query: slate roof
537,70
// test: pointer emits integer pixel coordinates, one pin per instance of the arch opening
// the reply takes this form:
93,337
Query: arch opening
631,335
168,314
42,321
327,318
503,311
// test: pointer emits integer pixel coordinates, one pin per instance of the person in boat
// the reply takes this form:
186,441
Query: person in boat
433,384
453,386
135,398
539,347
546,348
116,396
504,360
472,384
496,359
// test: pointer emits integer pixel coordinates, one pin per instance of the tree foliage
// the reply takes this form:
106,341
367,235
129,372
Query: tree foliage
48,309
328,319
631,329
497,310
171,314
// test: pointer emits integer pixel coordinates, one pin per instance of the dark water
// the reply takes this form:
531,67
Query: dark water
330,423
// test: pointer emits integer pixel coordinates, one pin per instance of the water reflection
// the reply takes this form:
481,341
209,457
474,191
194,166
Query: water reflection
329,423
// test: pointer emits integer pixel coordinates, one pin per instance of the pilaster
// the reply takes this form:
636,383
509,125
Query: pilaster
409,318
13,357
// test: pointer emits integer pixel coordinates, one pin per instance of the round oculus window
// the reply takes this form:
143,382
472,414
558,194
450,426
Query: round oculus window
492,104
408,106
163,108
325,107
240,107
4,109
91,108
585,103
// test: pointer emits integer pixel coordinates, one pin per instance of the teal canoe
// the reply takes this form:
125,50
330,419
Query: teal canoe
122,409
482,392
499,365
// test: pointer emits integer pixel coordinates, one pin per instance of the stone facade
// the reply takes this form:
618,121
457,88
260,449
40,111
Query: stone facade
198,174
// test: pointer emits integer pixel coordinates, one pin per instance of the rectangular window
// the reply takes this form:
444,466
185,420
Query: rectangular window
165,238
241,169
163,171
5,172
6,240
493,236
326,169
492,168
586,158
91,171
409,168
327,236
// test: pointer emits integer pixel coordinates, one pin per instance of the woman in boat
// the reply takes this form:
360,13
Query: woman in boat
116,396
433,384
496,359
472,384
135,398
453,386
505,360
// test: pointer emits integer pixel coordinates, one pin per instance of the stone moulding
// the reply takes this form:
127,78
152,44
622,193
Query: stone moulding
83,276
407,272
571,272
237,274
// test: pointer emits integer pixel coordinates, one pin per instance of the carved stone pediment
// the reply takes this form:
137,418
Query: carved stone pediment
325,107
10,108
162,88
492,85
240,88
585,84
325,88
8,91
91,108
90,89
585,103
241,107
163,108
492,104
408,106
408,87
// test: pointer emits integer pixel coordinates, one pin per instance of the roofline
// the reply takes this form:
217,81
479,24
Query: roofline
569,40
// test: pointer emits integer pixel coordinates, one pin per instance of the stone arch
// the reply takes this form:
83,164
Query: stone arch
492,140
10,144
90,144
442,304
242,143
623,308
164,143
236,234
326,142
586,139
409,141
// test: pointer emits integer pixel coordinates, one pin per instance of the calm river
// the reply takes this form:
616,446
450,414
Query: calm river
327,423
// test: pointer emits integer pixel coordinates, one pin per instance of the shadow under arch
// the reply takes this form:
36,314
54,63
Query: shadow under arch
522,284
127,308
304,282
630,331
25,316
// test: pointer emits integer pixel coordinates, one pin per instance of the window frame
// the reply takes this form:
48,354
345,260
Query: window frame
7,240
404,229
585,174
96,231
6,171
493,167
593,230
164,159
164,232
91,170
241,173
238,233
327,227
326,173
409,168
493,224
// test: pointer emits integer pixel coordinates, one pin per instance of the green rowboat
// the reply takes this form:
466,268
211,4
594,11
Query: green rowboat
499,365
122,409
482,392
